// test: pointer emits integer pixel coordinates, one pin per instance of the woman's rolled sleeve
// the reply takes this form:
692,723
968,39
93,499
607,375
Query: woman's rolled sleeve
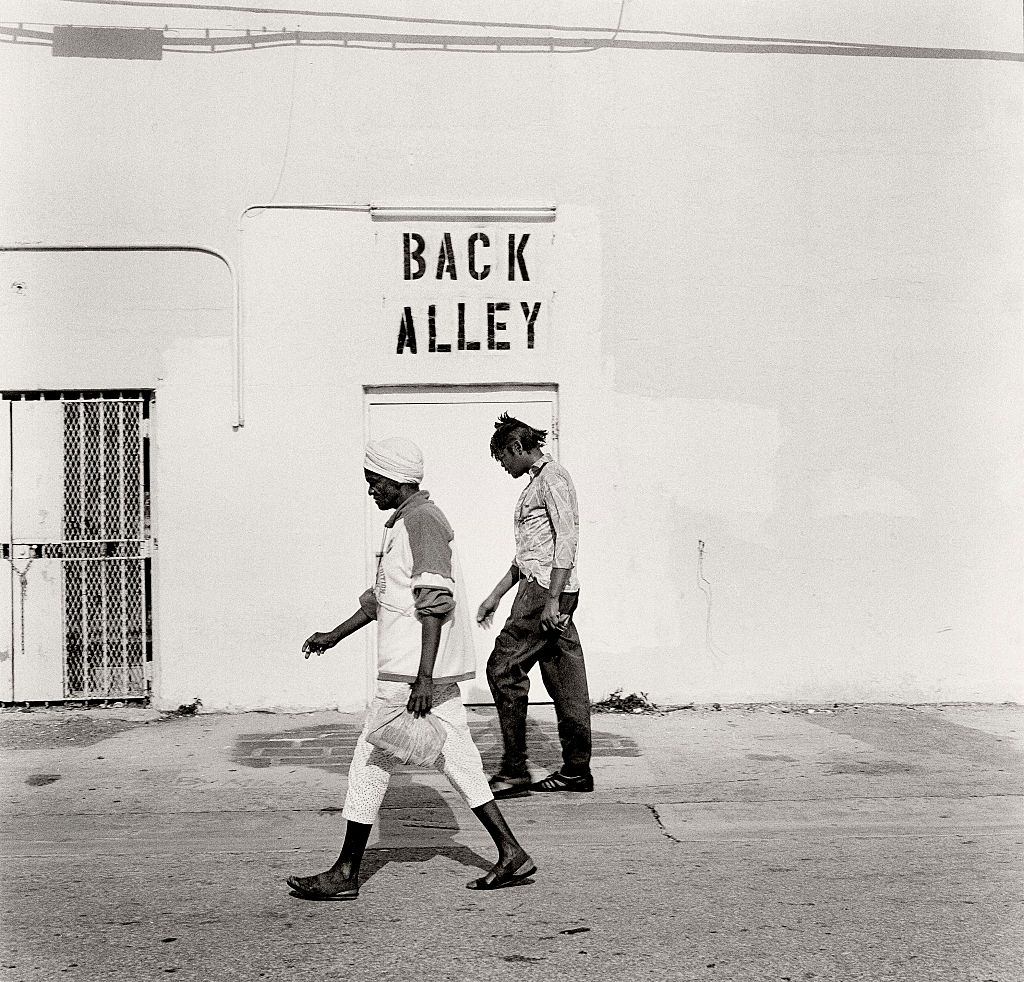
368,604
433,601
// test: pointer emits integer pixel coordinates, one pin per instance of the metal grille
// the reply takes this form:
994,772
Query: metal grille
104,555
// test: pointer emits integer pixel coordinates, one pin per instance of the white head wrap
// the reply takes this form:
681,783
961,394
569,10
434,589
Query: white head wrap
395,457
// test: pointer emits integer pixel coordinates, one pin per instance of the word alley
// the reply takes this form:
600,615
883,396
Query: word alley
482,328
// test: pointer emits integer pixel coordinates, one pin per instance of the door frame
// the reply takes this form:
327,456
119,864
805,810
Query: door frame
441,393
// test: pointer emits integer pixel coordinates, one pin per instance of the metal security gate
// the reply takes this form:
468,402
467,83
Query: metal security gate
78,545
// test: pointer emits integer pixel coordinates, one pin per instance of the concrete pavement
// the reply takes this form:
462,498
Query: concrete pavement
761,842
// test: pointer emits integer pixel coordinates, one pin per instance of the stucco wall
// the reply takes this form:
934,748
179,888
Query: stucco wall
786,323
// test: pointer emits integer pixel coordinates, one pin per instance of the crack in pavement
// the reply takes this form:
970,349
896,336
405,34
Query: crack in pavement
661,825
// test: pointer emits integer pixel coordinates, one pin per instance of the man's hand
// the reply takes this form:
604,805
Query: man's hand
552,618
485,615
319,642
421,699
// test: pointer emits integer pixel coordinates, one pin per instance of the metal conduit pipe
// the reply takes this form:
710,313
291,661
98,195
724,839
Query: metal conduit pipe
482,213
377,212
542,213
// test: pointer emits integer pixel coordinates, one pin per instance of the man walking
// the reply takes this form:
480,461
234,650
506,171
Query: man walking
424,648
540,625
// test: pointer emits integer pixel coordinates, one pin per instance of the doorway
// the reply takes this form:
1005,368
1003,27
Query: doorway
453,427
76,526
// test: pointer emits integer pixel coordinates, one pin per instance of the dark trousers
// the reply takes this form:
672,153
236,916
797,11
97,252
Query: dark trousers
520,645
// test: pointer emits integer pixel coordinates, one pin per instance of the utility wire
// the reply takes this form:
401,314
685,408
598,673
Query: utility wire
517,44
622,10
288,129
387,18
452,22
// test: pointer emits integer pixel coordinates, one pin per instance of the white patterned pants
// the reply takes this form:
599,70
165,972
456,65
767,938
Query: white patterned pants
371,767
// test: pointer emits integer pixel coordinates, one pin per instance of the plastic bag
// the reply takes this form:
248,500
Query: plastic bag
412,741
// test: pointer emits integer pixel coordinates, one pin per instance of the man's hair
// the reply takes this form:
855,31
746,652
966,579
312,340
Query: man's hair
508,429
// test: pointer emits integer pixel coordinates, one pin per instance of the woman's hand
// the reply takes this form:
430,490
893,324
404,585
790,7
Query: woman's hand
421,699
322,640
319,642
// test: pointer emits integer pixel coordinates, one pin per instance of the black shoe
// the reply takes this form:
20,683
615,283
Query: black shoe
565,782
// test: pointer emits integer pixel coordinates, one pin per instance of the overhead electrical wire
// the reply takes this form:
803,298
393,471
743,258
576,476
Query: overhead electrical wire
454,22
224,41
288,128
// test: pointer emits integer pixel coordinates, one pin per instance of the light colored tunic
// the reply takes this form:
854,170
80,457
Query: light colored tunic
418,573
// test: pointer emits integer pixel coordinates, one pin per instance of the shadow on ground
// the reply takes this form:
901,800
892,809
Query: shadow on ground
413,812
329,746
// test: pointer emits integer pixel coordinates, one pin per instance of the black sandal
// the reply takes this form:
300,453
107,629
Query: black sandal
509,877
308,887
509,786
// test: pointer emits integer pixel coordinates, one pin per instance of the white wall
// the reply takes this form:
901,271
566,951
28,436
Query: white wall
786,323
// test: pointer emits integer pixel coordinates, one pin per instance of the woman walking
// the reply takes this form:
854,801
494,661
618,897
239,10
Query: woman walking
424,649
